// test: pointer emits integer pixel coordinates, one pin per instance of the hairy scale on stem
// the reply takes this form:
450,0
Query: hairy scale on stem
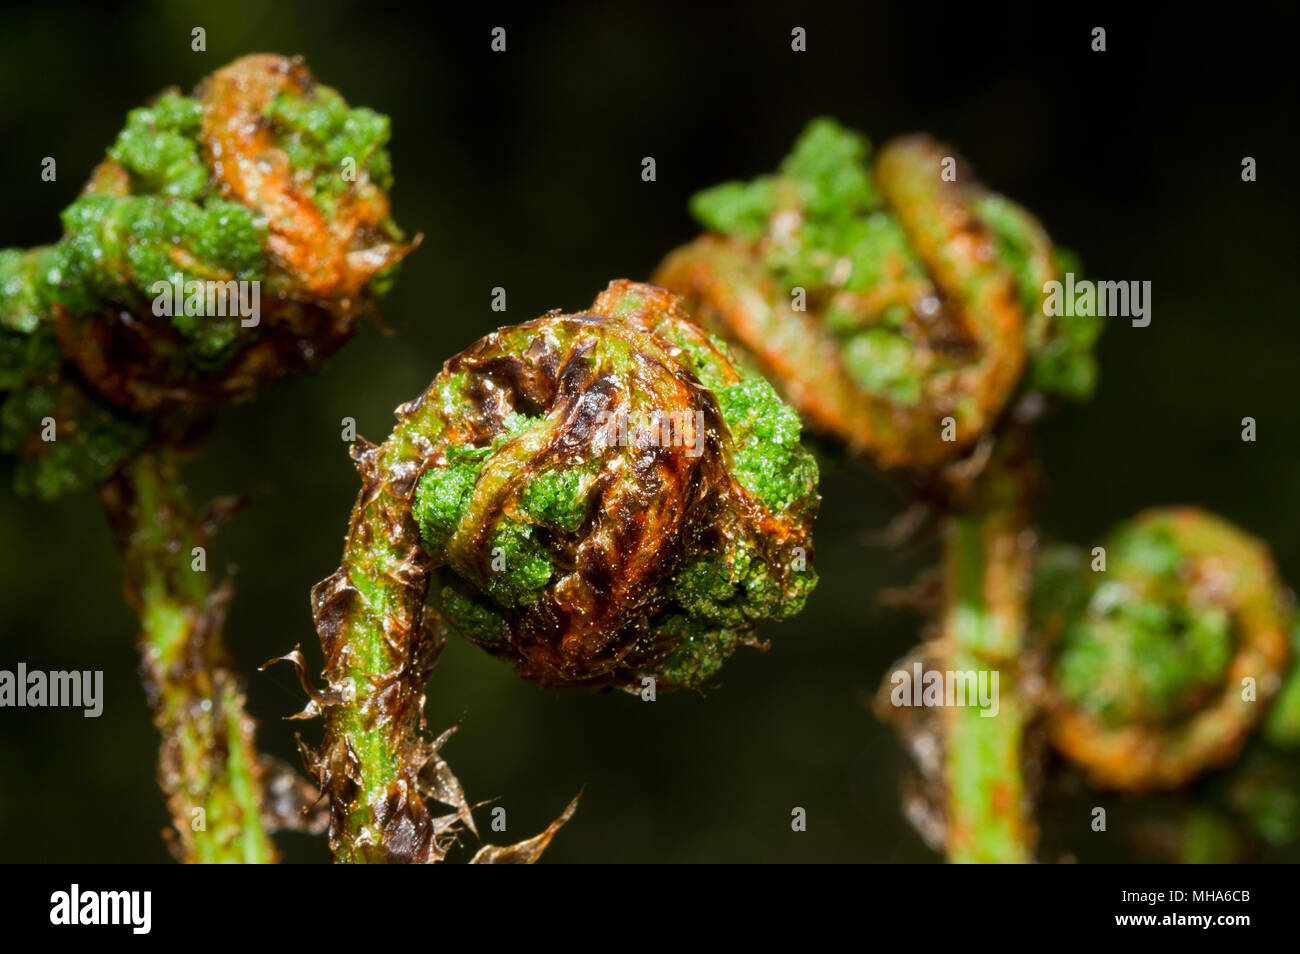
619,560
208,765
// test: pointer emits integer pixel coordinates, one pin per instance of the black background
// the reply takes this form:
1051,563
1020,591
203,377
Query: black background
523,170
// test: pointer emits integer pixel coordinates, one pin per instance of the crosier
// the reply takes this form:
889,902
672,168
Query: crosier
901,308
509,505
262,177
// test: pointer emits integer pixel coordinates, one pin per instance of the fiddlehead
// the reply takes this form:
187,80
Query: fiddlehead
229,238
1164,663
899,307
597,498
263,176
882,301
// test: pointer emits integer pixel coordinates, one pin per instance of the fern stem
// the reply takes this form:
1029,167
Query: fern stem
208,764
987,555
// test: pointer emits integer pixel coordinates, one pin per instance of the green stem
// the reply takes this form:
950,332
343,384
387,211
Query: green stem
986,568
208,764
378,653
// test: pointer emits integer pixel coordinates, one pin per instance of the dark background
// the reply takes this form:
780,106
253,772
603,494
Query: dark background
523,170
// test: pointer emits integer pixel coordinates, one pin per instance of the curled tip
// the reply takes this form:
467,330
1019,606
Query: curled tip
601,498
327,236
247,257
228,239
897,307
600,490
1167,657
